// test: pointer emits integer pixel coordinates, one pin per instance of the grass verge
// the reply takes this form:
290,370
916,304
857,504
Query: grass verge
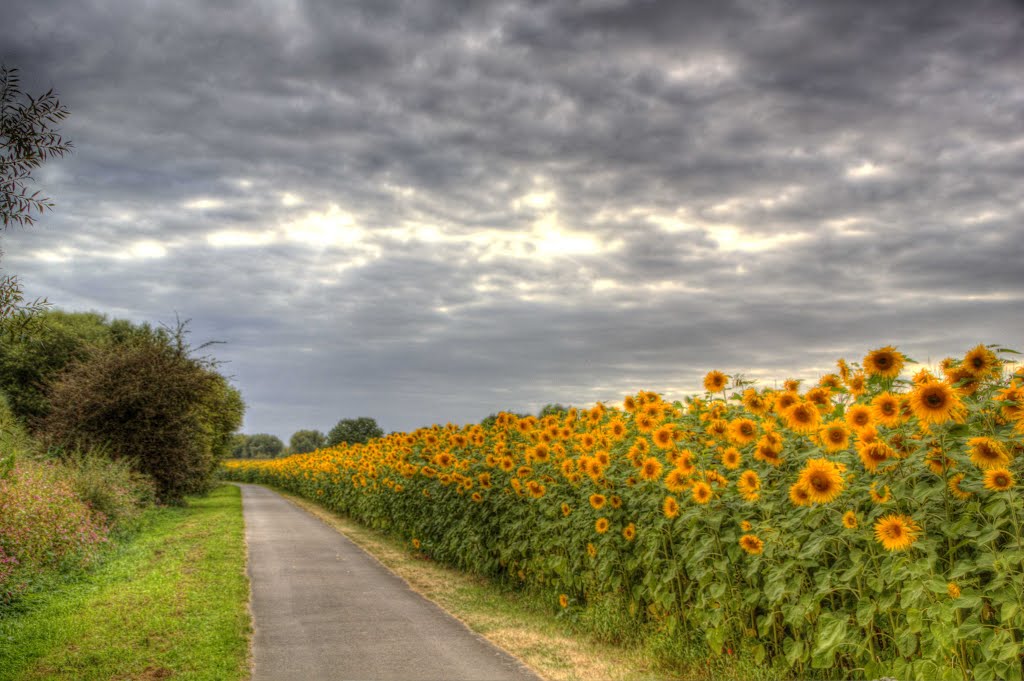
549,643
173,602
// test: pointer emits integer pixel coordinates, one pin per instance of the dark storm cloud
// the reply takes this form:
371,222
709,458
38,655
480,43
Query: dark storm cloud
753,186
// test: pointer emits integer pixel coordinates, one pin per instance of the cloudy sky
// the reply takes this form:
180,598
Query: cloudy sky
430,210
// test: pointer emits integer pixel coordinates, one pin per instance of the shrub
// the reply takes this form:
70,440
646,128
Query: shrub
147,401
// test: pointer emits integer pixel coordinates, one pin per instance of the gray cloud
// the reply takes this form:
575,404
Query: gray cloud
752,186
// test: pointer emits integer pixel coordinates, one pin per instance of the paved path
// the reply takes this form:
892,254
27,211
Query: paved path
324,609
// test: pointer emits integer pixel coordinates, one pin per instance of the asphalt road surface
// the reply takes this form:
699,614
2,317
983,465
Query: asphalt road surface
323,609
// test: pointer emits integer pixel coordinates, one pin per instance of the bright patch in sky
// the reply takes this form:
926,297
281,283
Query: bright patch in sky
865,170
203,204
238,237
333,227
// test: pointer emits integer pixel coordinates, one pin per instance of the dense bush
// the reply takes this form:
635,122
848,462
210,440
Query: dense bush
147,401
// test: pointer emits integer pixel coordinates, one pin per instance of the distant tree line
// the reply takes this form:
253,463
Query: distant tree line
265,446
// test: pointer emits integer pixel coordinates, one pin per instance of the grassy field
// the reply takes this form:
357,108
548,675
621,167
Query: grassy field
556,647
173,602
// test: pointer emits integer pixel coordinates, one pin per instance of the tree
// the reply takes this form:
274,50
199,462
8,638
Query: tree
264,446
303,441
32,355
28,137
553,410
354,431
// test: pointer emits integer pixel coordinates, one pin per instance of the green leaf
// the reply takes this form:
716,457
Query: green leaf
794,651
865,612
759,653
831,634
907,643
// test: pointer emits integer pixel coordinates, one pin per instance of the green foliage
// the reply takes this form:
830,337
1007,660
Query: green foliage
149,401
359,430
552,410
29,137
303,441
258,446
34,353
111,487
14,441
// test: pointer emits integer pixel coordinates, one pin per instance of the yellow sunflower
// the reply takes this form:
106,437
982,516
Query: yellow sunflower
670,507
835,436
701,492
752,544
799,495
591,550
822,479
645,423
677,480
858,416
981,363
885,409
857,384
651,469
882,497
785,400
742,431
597,501
663,436
953,590
874,453
803,417
954,487
988,453
850,520
768,453
1014,395
935,402
820,397
731,458
886,362
998,479
715,381
896,532
746,526
629,532
566,510
601,525
563,600
755,402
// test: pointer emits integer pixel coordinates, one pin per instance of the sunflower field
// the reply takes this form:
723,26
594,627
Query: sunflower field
868,525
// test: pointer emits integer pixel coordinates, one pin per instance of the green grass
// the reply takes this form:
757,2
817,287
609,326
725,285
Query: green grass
173,602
